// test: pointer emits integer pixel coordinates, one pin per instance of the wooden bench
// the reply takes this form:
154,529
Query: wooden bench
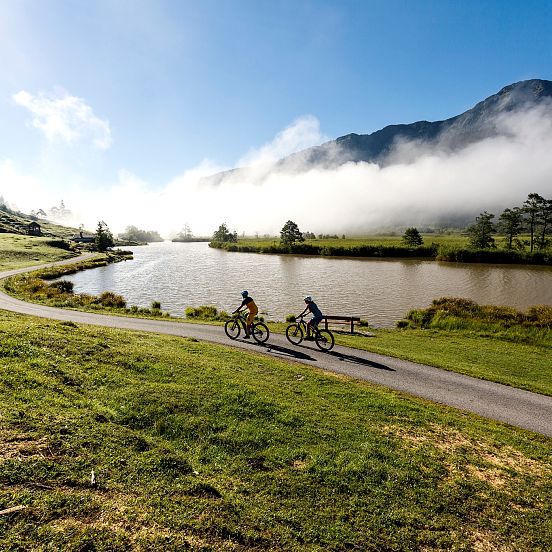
342,320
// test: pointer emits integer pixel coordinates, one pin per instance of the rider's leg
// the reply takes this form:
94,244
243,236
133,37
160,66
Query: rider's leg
310,331
249,324
312,324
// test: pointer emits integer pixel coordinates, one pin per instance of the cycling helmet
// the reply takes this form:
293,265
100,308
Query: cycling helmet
244,293
308,299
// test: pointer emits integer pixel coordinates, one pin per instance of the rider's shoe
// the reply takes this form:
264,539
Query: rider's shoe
309,338
246,336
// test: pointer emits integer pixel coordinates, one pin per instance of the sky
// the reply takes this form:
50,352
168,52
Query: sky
118,107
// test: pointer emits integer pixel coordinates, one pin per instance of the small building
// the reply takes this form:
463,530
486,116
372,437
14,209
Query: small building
33,229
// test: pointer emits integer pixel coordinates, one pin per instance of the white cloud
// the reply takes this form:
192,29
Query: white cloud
353,198
67,118
303,133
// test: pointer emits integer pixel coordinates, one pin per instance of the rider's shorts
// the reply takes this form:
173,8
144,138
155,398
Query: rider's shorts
315,320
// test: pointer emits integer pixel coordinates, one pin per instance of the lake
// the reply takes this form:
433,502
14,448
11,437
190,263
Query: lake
378,290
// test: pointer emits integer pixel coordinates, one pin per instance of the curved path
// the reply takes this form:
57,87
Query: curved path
492,400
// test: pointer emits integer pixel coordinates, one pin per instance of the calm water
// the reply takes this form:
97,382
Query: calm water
381,291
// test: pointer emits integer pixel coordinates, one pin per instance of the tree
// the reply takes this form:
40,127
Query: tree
510,223
531,208
412,237
290,233
104,238
545,221
133,233
480,233
224,235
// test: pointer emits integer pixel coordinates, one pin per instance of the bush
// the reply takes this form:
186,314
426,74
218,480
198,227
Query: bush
110,299
451,313
156,305
63,286
205,312
290,318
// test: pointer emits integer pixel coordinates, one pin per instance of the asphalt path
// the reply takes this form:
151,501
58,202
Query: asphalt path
498,402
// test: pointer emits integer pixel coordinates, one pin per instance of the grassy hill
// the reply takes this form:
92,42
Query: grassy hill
16,223
116,440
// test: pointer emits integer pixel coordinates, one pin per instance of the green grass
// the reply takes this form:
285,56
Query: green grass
477,354
15,222
197,446
451,248
18,251
456,240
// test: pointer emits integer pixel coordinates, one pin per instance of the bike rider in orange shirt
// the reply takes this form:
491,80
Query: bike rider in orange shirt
253,310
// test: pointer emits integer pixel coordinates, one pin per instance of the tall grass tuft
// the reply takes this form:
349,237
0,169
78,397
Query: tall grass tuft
205,312
452,313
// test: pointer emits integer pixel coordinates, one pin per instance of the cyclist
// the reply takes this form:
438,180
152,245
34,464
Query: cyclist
253,310
317,316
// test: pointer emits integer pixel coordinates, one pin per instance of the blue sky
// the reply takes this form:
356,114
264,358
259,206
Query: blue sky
159,87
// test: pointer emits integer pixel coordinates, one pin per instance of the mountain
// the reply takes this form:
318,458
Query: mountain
453,134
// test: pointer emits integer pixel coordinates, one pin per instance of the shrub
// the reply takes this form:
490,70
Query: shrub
110,299
540,316
450,313
205,312
290,318
156,305
63,286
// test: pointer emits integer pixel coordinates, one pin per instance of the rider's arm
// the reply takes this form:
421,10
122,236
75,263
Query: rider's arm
304,312
240,307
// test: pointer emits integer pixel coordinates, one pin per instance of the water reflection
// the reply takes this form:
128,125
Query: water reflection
379,290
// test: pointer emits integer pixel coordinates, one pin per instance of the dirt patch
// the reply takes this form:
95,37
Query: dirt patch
23,447
493,464
486,542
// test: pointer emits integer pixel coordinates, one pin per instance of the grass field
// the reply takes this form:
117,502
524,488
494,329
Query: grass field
18,251
197,446
448,248
456,240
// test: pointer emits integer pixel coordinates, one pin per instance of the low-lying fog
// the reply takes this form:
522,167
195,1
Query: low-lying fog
423,185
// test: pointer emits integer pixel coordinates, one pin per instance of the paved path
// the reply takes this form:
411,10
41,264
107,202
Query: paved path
491,400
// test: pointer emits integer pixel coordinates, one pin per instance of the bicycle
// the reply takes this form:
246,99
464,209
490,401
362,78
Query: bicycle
296,332
234,326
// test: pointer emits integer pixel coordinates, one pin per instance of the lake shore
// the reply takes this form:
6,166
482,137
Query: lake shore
370,248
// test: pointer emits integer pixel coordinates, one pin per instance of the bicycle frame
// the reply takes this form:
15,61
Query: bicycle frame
258,330
324,338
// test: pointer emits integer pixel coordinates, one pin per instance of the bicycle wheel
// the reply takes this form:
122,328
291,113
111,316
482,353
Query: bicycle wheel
325,340
232,329
260,332
294,334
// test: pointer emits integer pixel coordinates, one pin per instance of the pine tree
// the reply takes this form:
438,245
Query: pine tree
290,234
481,232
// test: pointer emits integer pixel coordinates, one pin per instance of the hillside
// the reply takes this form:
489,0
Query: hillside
452,134
15,222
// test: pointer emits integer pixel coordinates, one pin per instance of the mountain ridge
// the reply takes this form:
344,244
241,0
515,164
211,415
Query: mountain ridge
475,124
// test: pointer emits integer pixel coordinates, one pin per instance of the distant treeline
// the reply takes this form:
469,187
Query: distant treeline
433,251
190,239
134,234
